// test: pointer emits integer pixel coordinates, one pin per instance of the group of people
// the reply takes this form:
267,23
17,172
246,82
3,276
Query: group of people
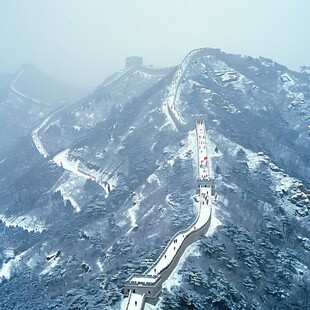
202,147
204,198
204,173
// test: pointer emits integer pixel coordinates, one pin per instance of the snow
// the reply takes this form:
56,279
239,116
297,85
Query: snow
113,181
151,210
282,182
204,209
119,76
36,139
205,90
153,235
52,264
190,145
168,123
253,159
173,91
62,160
267,62
170,203
55,123
204,166
8,253
5,271
73,202
35,133
108,182
132,215
32,262
69,189
100,266
153,178
215,222
171,161
287,81
136,302
229,76
24,96
145,75
144,279
232,79
158,306
132,212
105,186
8,268
175,278
78,178
4,159
26,222
12,86
124,303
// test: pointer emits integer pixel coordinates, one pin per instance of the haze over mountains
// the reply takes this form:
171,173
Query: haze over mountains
27,97
93,185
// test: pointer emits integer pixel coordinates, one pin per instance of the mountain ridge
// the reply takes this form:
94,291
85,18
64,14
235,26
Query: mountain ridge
115,224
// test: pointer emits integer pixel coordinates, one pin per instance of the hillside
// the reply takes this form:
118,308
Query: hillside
26,98
116,182
46,89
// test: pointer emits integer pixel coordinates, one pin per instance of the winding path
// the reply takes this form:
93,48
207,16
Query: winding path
13,88
106,86
149,284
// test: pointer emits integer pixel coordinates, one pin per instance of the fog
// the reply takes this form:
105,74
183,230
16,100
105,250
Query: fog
81,42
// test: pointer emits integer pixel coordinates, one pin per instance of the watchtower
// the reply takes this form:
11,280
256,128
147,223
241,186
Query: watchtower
133,61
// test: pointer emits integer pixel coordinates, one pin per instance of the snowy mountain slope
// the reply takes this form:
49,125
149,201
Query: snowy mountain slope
5,81
22,107
259,257
106,220
31,82
240,93
78,120
119,184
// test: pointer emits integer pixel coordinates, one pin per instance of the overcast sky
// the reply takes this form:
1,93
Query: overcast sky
83,41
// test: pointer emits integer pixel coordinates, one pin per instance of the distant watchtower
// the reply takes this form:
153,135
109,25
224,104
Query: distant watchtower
133,61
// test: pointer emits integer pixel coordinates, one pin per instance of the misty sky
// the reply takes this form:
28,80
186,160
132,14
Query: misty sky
83,41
